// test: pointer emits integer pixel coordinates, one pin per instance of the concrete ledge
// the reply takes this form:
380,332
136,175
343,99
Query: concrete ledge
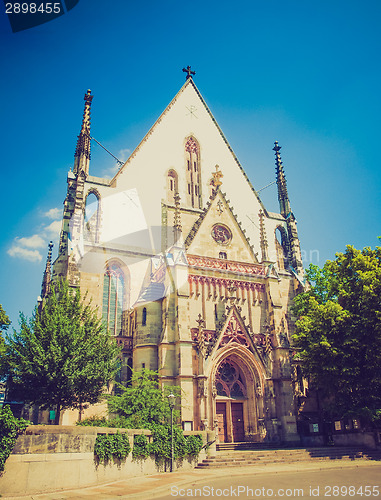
55,458
49,457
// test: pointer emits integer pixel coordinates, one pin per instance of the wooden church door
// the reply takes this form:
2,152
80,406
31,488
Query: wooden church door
237,422
221,420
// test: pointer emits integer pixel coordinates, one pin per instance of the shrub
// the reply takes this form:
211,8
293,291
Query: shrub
93,421
118,422
194,444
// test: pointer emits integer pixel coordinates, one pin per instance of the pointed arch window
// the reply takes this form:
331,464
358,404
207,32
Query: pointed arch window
114,293
230,381
281,243
193,172
91,218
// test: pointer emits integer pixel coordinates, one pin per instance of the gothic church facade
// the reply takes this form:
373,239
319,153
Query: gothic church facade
191,273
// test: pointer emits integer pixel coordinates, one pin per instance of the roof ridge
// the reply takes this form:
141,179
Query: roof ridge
150,131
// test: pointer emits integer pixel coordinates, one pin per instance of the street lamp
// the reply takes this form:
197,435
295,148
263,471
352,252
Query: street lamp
171,401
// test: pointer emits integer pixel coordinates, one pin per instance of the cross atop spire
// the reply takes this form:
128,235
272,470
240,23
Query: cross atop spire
189,72
284,202
82,150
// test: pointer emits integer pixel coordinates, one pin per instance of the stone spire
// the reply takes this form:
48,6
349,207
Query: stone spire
82,150
263,237
177,217
284,202
45,288
295,257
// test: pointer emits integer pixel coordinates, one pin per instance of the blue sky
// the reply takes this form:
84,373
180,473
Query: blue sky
303,72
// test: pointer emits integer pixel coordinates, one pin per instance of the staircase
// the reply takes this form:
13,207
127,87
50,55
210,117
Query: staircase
242,454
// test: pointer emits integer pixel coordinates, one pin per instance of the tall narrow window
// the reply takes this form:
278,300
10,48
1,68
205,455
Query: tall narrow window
281,244
113,299
172,185
144,317
192,151
91,218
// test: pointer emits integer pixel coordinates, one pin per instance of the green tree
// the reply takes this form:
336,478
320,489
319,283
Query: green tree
338,332
4,323
144,403
63,357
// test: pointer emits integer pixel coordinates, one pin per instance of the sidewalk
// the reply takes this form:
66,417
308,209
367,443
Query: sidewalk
159,485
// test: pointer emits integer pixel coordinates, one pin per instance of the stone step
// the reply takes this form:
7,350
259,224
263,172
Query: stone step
241,458
309,453
203,465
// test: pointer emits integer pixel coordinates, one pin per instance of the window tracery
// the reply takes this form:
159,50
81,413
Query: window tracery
229,380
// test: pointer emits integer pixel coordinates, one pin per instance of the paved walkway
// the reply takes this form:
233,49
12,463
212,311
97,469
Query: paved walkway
159,485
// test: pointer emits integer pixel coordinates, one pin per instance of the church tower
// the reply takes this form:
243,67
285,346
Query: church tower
190,272
290,243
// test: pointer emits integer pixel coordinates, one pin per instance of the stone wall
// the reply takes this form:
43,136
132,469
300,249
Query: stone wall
366,440
53,458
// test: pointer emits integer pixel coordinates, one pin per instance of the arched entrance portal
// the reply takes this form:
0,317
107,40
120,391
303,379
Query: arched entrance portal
232,410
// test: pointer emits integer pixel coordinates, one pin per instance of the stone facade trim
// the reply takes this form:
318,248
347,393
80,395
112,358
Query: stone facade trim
226,265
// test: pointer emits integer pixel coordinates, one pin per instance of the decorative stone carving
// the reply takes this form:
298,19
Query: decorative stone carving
258,391
202,391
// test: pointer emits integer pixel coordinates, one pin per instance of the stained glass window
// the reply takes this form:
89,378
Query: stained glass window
113,299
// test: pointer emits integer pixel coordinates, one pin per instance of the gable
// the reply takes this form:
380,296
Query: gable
162,150
217,232
234,334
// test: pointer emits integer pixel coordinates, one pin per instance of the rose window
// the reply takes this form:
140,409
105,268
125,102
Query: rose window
221,234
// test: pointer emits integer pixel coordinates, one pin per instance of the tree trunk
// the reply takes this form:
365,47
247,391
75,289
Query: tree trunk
58,414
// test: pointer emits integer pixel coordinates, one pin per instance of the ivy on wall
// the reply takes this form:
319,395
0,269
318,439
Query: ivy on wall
116,447
10,428
112,446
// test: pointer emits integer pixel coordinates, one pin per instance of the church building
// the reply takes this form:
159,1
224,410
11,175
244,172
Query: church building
190,272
